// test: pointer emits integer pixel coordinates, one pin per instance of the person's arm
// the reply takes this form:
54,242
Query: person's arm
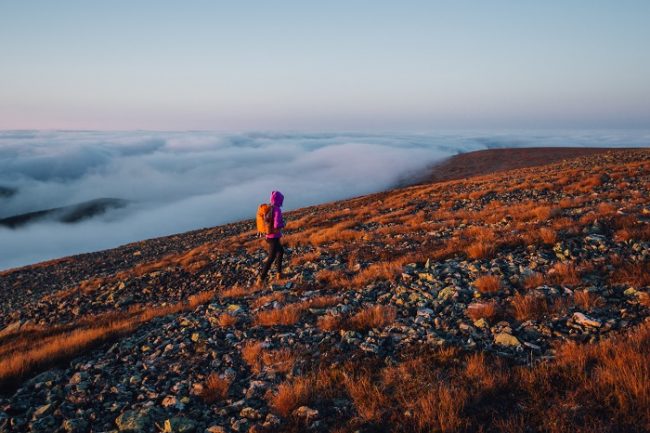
278,221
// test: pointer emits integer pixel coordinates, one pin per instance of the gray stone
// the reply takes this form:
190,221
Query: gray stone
75,425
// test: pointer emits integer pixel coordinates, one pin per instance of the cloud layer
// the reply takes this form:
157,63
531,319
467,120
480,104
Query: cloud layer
180,181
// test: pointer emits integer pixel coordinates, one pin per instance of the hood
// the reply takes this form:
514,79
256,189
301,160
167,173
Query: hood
277,198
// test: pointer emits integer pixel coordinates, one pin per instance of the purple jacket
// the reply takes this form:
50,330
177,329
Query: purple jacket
276,201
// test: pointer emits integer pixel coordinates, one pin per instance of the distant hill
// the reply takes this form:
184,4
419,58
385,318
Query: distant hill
66,214
7,192
488,161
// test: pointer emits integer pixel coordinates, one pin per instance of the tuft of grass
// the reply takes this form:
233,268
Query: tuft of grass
375,316
587,300
215,388
226,320
290,395
287,315
482,310
488,284
564,274
533,280
529,306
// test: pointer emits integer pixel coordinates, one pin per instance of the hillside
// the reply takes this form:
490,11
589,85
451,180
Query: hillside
507,302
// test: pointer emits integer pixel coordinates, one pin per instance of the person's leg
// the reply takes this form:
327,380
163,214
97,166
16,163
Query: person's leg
280,250
272,252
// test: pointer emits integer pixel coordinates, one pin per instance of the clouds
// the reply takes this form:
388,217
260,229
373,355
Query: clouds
179,181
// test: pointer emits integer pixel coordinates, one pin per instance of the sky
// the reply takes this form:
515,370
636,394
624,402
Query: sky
324,66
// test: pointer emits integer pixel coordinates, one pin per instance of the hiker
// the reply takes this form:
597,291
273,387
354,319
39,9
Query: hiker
272,225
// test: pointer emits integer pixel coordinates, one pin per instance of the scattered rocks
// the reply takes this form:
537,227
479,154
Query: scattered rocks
156,378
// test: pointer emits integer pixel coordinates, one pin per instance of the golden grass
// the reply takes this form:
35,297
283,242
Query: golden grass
488,284
287,315
587,300
215,388
529,306
564,274
533,280
375,316
290,395
482,310
226,320
29,353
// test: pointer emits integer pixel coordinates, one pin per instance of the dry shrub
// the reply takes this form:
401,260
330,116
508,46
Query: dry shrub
529,307
226,320
544,213
634,274
287,315
533,280
215,388
548,235
441,409
30,352
564,274
376,316
369,400
587,300
332,278
301,259
488,284
200,298
380,271
236,291
606,209
637,233
280,360
263,300
611,376
330,322
323,301
480,250
291,395
251,353
644,299
482,310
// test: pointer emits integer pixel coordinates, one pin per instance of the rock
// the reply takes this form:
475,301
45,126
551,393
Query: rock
250,413
182,425
75,425
584,320
630,292
481,323
14,326
215,429
306,413
240,425
169,401
41,411
78,377
133,422
505,339
446,293
44,424
271,421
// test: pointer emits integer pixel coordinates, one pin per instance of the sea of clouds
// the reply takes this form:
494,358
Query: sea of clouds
179,181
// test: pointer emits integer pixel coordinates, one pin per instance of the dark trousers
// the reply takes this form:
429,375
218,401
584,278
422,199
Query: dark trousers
276,251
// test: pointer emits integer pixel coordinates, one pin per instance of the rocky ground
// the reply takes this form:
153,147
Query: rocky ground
518,301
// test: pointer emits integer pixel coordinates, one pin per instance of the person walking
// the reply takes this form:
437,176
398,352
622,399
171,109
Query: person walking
275,248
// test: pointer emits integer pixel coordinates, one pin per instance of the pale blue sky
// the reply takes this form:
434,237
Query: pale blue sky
336,65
